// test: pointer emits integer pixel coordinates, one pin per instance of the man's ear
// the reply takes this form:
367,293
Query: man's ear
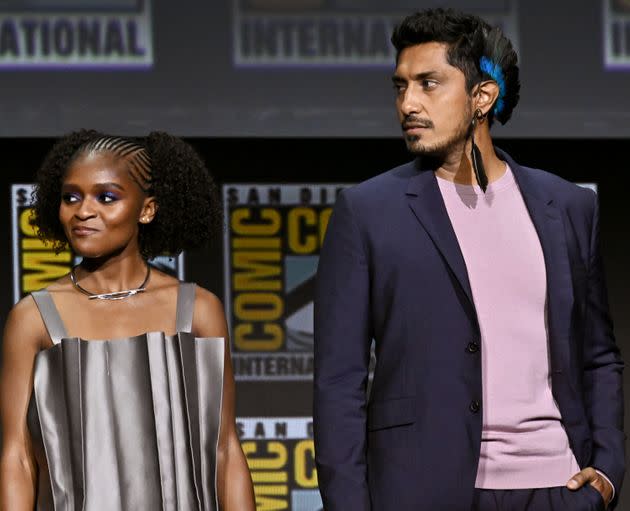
485,95
149,209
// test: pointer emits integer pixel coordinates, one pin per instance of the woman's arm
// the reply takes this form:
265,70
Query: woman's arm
234,483
18,471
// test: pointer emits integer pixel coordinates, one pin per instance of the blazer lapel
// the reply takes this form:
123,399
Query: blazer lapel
549,225
425,200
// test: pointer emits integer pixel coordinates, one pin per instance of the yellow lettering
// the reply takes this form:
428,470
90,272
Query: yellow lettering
269,504
270,226
277,458
258,306
298,220
27,228
305,458
257,270
271,489
270,477
268,338
248,243
47,266
34,244
268,466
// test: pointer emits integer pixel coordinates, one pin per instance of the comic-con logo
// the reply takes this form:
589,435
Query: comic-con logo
272,248
335,32
35,263
281,458
75,33
617,34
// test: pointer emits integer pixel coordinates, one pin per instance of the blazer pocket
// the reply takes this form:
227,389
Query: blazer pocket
390,413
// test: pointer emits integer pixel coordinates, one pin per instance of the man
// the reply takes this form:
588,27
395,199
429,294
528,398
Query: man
498,385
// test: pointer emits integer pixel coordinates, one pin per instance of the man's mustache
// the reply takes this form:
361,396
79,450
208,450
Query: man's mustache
413,121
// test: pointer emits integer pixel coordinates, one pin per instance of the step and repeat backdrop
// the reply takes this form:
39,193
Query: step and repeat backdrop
251,69
271,249
287,67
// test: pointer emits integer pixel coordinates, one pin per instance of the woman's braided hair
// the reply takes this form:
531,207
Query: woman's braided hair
165,167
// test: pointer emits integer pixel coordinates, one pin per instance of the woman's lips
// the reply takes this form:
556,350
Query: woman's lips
83,231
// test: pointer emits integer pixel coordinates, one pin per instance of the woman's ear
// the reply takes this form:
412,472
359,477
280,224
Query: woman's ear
149,209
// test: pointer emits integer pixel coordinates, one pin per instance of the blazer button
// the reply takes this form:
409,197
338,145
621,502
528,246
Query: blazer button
473,347
474,406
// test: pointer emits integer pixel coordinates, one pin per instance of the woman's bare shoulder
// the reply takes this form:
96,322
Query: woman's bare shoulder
207,298
209,316
162,282
24,324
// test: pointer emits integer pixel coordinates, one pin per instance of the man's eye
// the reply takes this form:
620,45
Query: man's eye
429,84
399,87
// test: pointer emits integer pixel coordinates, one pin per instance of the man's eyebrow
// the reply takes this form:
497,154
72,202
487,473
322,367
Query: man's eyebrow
425,75
418,77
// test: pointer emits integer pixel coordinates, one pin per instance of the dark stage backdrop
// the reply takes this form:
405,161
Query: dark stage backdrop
234,68
274,387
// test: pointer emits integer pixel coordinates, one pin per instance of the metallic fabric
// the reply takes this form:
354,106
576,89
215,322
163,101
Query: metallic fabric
129,424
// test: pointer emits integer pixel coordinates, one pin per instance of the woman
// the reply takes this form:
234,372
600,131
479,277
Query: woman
116,387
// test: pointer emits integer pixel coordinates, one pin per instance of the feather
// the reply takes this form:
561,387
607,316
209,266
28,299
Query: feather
477,163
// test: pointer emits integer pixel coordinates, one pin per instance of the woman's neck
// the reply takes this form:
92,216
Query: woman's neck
112,273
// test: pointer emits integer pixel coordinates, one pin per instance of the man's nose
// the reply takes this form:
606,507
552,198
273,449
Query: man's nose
410,102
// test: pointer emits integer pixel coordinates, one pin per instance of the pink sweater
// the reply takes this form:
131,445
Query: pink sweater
524,444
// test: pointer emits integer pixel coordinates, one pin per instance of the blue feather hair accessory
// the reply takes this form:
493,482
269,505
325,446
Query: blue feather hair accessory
496,73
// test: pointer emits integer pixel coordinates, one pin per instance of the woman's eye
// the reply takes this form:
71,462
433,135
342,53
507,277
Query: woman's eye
70,198
107,197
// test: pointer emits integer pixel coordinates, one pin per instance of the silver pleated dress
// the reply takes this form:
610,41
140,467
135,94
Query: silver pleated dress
129,424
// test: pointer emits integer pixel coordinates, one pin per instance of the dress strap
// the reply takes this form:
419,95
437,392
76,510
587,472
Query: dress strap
185,306
50,315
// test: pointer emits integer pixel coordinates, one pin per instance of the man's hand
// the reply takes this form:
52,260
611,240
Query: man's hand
590,476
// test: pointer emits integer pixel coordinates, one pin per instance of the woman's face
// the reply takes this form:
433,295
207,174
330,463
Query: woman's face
101,206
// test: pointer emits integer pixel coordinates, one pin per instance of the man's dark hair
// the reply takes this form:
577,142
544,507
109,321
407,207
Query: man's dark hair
189,211
469,38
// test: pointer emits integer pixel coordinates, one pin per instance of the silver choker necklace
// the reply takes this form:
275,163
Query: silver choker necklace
116,295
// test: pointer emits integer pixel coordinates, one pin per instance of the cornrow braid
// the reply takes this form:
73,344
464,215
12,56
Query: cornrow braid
135,153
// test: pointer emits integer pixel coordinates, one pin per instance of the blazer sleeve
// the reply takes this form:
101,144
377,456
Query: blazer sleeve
342,352
603,385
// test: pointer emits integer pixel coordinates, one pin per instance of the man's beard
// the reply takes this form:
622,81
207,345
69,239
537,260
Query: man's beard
441,150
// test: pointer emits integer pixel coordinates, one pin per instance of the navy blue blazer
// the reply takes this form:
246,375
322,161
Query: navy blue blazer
391,269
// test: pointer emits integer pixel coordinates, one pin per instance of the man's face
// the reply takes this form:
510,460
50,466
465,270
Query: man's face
434,107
